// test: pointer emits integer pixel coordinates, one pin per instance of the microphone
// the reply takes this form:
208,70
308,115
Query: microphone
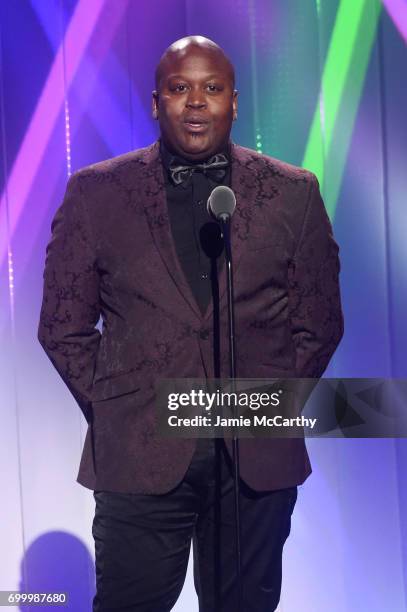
221,203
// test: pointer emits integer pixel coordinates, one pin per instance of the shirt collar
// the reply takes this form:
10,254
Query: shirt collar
168,158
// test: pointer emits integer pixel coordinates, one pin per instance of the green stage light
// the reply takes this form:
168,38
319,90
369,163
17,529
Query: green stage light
342,81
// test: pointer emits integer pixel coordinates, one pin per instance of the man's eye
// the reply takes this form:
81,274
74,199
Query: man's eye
180,87
213,88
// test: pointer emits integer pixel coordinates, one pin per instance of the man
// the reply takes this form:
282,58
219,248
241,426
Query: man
133,242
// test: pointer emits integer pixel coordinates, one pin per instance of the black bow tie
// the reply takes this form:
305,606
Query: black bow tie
214,168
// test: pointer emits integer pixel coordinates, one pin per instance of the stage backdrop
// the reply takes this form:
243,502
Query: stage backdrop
322,85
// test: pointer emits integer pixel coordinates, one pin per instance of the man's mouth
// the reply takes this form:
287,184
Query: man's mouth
193,124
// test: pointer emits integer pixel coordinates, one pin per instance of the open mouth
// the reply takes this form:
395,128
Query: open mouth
196,125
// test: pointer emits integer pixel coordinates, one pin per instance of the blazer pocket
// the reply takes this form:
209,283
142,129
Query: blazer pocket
114,386
266,242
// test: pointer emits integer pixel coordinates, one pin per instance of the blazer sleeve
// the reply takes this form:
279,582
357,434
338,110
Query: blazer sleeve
70,305
314,292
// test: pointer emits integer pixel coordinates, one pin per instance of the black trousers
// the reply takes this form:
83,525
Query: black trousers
142,542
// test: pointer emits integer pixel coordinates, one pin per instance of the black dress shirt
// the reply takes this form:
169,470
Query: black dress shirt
196,234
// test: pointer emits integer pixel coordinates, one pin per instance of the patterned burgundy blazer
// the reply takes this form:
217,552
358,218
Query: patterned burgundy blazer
112,254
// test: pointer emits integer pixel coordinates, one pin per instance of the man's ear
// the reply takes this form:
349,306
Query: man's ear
234,103
154,107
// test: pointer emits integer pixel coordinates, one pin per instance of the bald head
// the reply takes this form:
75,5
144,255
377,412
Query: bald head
191,45
195,101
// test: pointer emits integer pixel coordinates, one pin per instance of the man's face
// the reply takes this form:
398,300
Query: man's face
195,103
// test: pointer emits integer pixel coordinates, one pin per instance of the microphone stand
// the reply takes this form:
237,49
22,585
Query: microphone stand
225,225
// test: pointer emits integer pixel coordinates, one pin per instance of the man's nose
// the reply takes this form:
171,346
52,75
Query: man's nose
196,99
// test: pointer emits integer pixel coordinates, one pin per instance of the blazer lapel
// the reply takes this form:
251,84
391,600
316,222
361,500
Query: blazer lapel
245,184
156,210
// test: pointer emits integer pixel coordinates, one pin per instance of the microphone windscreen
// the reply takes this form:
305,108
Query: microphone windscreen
221,202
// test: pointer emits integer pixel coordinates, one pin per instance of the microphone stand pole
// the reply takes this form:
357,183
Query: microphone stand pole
225,225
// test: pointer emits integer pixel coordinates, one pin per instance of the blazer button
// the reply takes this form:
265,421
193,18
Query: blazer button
204,334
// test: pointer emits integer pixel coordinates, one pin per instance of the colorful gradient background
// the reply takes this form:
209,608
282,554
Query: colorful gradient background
322,84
